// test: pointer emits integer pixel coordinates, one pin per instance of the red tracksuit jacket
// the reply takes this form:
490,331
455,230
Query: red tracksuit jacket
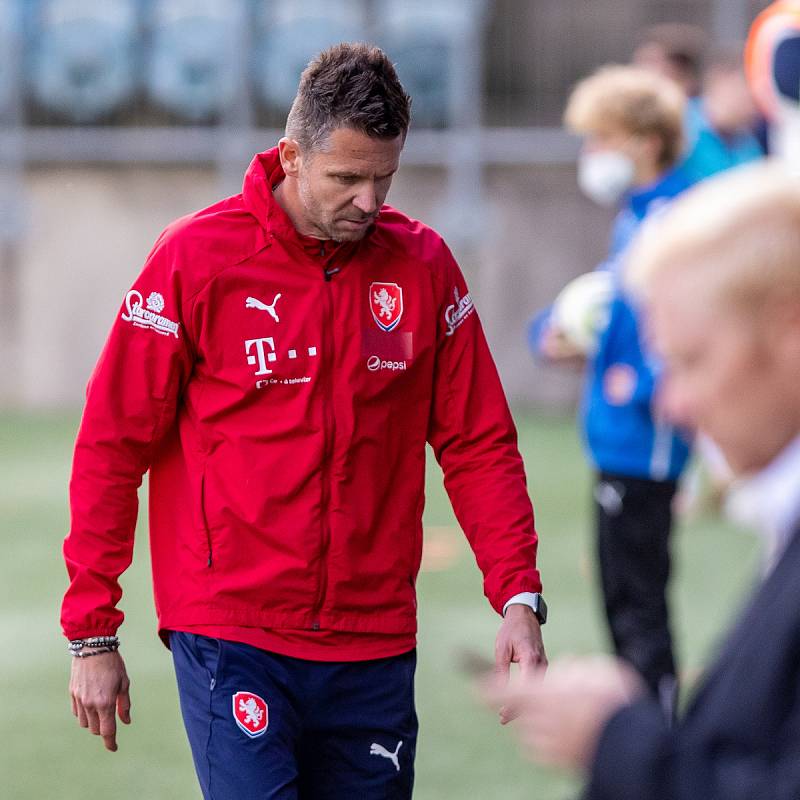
281,390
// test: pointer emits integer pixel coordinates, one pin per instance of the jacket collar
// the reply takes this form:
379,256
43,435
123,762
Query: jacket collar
263,174
665,187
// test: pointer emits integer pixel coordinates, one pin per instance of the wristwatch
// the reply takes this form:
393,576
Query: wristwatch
533,600
539,607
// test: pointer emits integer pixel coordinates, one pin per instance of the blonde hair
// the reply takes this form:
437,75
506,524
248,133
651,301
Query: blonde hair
633,100
738,233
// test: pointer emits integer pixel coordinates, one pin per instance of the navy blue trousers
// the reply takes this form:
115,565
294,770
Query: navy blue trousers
266,726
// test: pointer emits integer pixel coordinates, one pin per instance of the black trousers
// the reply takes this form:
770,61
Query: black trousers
634,519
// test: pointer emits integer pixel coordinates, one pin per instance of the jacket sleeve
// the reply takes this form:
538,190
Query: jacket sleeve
131,402
639,756
475,442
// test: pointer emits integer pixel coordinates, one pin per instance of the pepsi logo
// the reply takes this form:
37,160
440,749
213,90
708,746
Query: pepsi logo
374,363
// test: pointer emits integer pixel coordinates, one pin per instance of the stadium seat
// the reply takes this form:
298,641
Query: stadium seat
291,33
10,27
192,61
82,60
422,39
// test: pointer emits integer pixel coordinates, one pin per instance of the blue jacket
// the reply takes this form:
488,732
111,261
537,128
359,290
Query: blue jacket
620,433
708,152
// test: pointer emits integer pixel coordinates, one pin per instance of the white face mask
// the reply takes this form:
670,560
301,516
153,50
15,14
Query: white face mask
605,175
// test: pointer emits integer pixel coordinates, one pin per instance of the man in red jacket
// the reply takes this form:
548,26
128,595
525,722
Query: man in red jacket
278,367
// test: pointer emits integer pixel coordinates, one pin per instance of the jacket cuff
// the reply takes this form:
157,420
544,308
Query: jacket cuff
500,596
88,630
522,599
632,756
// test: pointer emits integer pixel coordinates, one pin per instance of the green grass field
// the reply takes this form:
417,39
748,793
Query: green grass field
462,749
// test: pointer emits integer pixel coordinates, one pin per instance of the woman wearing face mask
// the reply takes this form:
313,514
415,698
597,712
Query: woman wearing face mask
631,122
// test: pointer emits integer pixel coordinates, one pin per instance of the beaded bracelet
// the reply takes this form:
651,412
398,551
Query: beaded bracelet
95,651
76,645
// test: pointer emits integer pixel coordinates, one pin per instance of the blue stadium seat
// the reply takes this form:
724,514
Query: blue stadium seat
10,32
82,61
291,33
421,38
192,64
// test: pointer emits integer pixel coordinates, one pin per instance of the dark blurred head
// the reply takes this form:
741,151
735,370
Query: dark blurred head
674,50
348,86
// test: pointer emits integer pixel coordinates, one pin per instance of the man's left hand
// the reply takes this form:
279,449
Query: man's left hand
519,641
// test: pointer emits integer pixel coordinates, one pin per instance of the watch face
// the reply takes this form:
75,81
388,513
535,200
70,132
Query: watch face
540,609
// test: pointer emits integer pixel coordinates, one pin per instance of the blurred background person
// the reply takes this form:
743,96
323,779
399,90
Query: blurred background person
720,122
721,283
674,50
631,121
721,119
722,129
772,63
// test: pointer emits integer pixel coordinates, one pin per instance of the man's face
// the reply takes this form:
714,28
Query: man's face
729,374
344,182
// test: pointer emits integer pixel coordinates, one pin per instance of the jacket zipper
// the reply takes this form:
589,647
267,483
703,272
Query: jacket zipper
329,431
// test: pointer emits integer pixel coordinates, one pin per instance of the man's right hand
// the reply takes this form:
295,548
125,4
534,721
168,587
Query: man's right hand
99,687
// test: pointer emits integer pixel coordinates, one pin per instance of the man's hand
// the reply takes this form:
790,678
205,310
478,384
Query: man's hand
99,686
519,641
561,715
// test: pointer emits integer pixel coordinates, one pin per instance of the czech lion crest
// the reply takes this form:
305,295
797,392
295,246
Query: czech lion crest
386,304
251,713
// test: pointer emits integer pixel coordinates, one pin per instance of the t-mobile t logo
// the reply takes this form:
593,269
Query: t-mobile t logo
262,356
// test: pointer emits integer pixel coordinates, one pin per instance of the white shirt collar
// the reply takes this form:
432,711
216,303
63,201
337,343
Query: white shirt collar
770,499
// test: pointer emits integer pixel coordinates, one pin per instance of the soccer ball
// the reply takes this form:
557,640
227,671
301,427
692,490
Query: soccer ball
580,312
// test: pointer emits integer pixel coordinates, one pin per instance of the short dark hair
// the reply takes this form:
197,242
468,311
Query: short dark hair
348,86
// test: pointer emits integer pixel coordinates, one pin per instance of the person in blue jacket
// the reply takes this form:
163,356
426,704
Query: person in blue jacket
720,123
631,121
722,127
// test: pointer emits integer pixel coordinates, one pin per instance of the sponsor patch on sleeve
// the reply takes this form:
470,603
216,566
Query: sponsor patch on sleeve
147,313
458,311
